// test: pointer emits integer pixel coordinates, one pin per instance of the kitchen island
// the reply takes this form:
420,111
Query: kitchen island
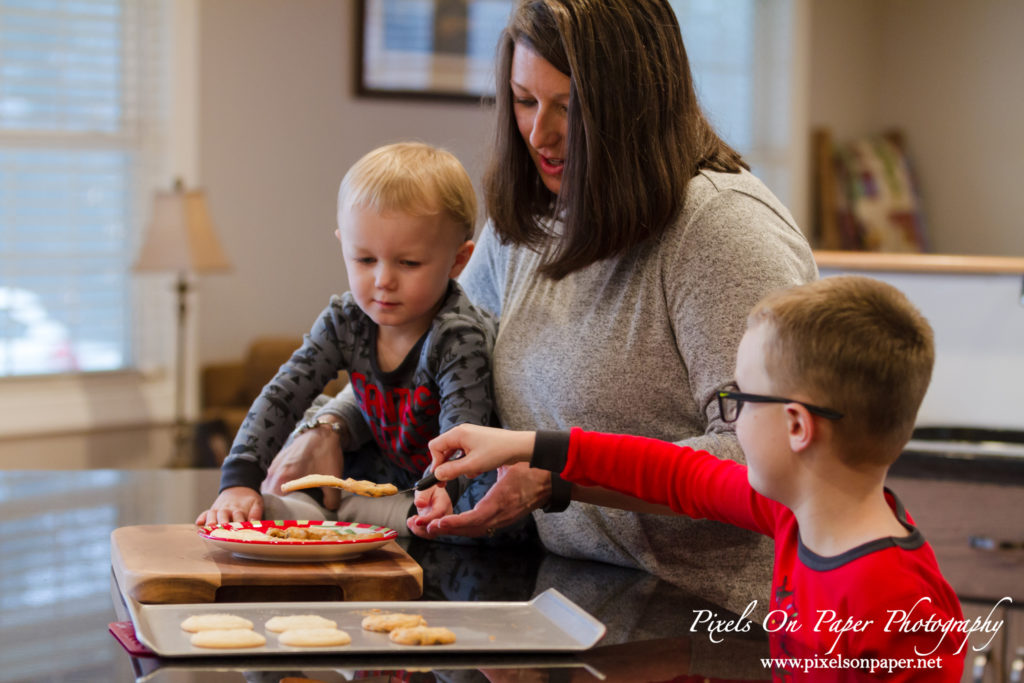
59,598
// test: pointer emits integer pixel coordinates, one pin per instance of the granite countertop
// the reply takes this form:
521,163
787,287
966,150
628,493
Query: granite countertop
55,556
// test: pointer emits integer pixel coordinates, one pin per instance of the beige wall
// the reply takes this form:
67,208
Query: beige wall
279,126
949,74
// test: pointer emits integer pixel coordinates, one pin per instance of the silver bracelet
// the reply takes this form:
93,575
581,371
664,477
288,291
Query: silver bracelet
336,427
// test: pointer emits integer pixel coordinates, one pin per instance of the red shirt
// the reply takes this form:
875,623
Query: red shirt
884,600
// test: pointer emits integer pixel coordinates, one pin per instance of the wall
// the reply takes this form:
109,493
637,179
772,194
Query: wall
948,74
279,128
845,50
954,83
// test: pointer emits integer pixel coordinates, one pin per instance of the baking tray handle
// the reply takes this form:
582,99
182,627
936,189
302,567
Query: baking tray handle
570,616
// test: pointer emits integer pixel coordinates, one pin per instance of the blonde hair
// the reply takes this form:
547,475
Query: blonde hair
858,346
413,178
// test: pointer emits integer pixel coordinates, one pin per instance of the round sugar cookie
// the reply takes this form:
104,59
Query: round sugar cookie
207,622
226,638
287,622
423,635
314,637
383,623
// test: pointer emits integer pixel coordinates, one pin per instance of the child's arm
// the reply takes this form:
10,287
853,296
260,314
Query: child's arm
345,408
281,403
694,483
690,482
462,371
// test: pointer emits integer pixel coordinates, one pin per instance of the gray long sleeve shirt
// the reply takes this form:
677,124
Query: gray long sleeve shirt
640,344
445,380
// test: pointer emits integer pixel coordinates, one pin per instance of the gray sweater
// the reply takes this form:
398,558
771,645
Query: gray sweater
640,344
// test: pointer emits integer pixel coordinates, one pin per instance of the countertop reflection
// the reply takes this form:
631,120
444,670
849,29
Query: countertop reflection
57,603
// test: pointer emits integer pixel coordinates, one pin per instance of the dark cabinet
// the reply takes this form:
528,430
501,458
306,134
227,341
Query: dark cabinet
969,503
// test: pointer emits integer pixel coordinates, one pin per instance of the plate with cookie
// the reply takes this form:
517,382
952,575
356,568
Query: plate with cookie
296,540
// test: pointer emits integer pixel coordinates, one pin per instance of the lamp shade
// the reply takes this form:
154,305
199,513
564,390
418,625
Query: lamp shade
181,236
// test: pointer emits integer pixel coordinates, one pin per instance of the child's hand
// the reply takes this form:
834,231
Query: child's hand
431,504
486,449
235,504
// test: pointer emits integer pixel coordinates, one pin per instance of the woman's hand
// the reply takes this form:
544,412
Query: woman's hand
517,492
434,503
317,451
234,504
486,449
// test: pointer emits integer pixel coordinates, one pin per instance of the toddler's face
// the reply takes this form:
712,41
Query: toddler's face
399,265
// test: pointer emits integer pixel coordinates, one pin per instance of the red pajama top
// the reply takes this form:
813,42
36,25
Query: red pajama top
830,618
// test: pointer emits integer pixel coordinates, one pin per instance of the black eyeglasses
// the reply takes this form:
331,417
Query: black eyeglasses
731,402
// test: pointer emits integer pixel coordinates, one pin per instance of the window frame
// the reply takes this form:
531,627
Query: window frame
143,392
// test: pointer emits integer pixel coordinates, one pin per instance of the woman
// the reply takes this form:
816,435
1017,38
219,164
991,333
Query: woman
626,244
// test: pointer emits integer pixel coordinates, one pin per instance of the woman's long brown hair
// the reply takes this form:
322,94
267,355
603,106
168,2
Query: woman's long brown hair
636,135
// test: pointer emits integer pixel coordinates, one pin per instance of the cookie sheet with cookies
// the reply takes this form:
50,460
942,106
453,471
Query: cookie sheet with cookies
548,623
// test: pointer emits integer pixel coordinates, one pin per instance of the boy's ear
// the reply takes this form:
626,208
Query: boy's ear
337,233
800,427
462,258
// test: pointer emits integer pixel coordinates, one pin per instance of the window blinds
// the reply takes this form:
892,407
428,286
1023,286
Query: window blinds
79,123
740,53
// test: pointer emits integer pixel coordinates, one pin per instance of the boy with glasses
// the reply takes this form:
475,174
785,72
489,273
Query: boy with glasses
854,579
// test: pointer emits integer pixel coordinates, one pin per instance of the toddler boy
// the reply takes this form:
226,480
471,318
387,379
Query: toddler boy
416,350
830,378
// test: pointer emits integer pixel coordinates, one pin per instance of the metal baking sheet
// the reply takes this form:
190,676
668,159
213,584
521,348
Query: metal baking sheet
350,667
550,622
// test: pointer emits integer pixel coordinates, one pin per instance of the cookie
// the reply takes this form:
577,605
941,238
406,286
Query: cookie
287,622
207,622
423,635
227,638
359,487
239,534
314,637
383,623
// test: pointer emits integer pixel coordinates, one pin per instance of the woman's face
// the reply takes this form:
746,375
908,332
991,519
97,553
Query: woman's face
540,101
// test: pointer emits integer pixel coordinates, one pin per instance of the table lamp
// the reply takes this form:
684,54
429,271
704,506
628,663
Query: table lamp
180,237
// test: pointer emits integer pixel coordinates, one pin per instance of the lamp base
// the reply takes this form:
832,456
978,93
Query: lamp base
183,455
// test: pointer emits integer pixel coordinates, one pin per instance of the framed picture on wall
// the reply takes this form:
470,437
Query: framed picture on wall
441,49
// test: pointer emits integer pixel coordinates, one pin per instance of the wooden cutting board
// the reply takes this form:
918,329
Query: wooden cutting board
171,563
